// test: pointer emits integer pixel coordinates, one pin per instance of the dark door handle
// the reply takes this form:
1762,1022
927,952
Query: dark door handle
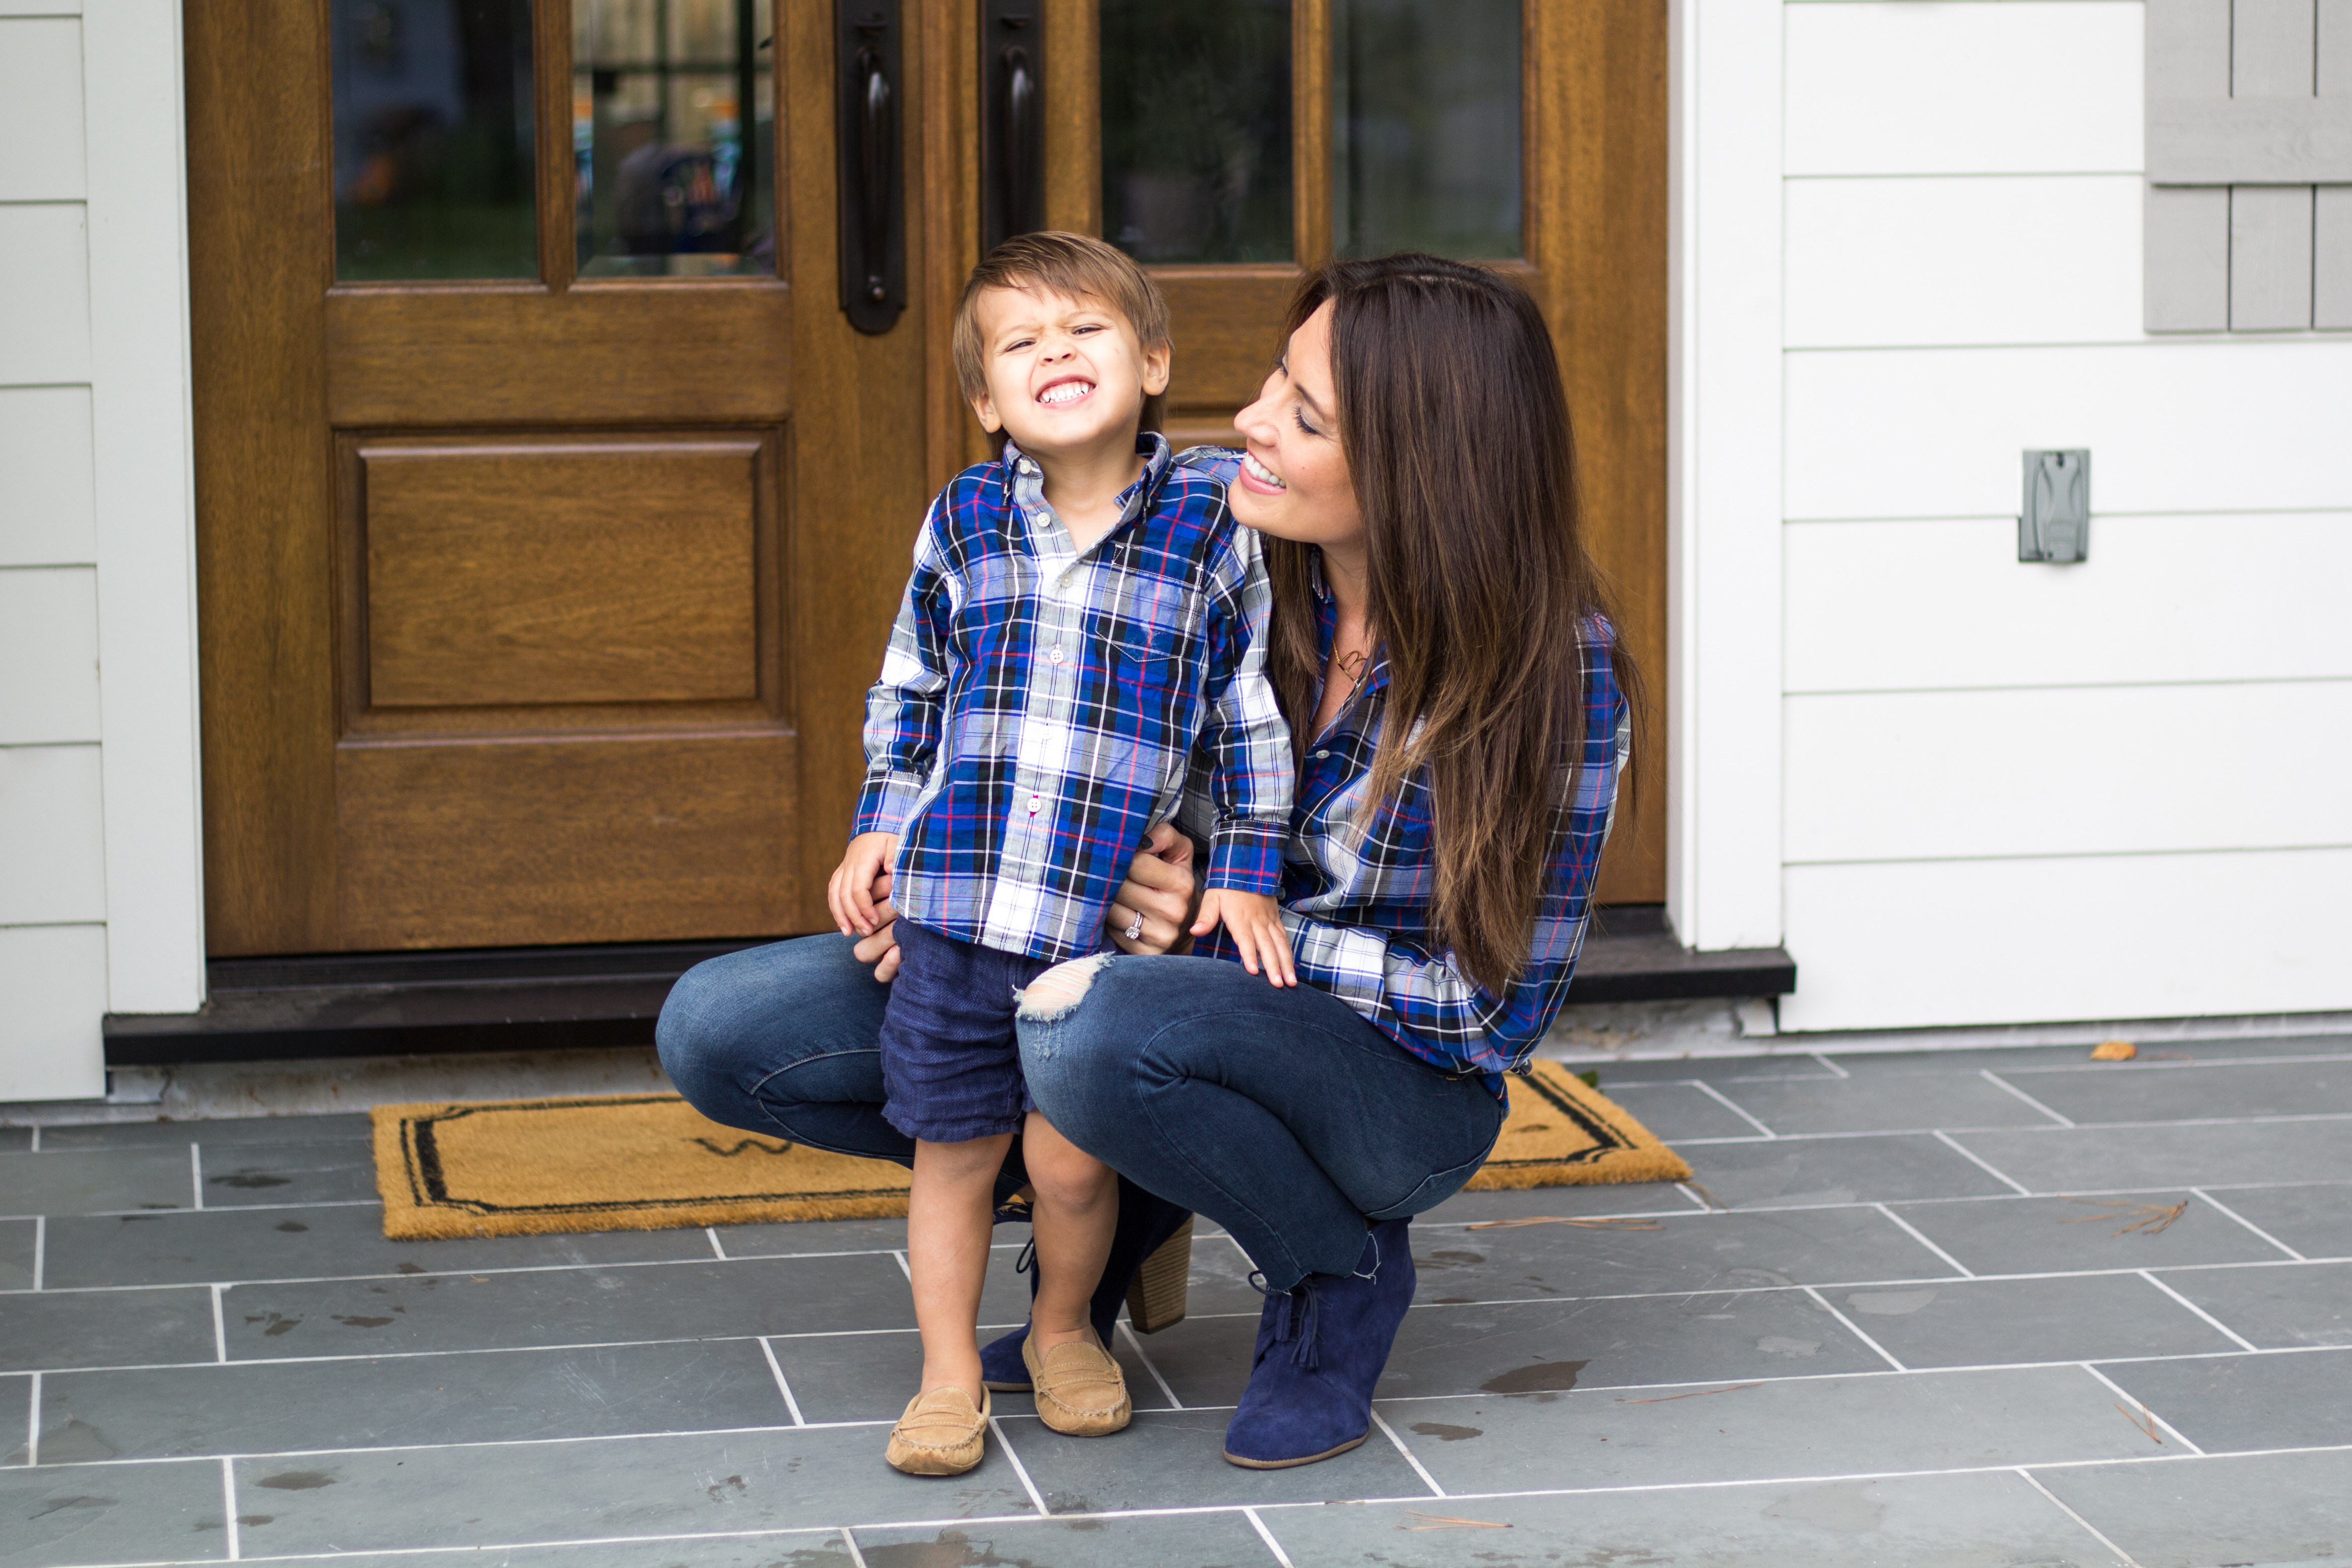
1020,138
1013,120
876,136
869,184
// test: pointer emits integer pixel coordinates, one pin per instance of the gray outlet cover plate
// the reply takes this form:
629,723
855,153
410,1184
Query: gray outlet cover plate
2055,524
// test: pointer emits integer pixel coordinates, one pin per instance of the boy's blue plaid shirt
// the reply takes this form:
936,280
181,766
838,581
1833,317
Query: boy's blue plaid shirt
1039,709
1358,887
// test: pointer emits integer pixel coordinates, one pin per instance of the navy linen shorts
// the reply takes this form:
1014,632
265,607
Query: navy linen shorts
950,1065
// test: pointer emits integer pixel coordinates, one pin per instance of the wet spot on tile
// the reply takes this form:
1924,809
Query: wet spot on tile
1539,1377
298,1480
1447,1434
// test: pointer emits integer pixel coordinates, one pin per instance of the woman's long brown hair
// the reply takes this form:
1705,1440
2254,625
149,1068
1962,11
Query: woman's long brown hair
1454,426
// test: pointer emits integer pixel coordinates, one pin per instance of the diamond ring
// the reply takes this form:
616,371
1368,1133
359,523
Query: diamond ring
1135,930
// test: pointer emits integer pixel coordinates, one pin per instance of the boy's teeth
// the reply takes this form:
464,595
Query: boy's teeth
1065,391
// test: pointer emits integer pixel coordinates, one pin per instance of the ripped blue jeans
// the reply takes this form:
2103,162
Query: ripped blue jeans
1279,1115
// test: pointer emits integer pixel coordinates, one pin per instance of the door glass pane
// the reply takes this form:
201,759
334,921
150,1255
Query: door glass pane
433,139
668,185
1425,127
1196,128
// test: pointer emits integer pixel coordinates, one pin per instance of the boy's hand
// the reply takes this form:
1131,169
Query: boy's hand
1254,921
850,894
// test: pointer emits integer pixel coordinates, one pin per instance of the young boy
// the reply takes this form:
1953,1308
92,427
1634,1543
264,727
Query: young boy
1083,614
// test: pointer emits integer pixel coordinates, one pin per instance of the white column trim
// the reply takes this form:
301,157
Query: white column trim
1724,473
140,398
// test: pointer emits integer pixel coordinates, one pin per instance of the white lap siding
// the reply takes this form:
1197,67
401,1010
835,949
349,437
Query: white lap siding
2018,792
99,859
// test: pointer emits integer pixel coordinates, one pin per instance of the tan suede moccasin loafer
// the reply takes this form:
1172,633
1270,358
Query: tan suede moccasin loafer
1080,1391
940,1435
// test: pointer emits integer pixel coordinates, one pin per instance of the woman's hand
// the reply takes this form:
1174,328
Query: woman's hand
1156,901
881,949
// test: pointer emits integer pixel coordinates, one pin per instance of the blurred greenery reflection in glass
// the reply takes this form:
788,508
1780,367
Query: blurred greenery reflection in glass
1196,128
1425,127
433,139
667,186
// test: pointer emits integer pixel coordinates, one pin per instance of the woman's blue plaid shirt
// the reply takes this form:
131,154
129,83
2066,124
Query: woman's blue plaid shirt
1039,709
1358,886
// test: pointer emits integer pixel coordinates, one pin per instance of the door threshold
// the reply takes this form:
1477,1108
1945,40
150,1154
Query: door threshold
597,997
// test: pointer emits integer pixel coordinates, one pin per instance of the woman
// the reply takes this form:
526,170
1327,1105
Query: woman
1409,465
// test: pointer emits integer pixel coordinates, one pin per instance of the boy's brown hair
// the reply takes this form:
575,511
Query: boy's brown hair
1077,265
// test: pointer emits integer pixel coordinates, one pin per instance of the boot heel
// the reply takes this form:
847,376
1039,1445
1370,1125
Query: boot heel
1156,1300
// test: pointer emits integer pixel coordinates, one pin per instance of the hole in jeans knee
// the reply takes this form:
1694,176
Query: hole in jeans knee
1056,993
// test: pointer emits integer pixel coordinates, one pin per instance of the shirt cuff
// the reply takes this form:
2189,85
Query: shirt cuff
884,804
1247,857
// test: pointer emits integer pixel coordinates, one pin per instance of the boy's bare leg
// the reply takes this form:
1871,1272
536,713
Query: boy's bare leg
950,1208
1076,1212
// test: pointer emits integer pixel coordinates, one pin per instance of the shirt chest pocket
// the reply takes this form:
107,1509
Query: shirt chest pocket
1153,686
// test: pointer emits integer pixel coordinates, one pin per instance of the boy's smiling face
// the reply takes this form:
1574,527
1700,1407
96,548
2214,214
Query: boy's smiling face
1066,376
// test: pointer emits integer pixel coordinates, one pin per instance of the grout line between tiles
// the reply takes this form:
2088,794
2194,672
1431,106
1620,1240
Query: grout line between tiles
228,1509
33,1425
904,1266
1148,1365
279,1456
849,1541
2179,1435
957,1522
1920,1237
40,1249
197,1176
1019,1468
2121,1556
1712,1093
220,1329
1948,1140
2145,1065
1832,1066
2233,1214
717,1250
1854,1329
476,1550
1268,1536
783,1386
1410,1457
2240,1340
1684,1189
1550,1301
1989,1076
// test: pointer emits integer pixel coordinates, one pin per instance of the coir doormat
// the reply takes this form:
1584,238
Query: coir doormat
650,1162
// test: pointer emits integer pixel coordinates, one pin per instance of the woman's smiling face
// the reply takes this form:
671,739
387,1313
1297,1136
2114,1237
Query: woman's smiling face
1293,482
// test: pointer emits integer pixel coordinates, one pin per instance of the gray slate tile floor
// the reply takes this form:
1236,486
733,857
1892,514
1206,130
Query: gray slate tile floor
1897,1318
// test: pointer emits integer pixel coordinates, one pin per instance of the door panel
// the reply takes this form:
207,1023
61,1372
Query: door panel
564,572
500,843
598,351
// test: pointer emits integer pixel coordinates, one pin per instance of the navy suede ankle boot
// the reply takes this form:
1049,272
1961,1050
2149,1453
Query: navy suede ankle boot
1320,1349
1144,1222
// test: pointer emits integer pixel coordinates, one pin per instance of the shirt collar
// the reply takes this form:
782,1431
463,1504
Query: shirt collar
1026,489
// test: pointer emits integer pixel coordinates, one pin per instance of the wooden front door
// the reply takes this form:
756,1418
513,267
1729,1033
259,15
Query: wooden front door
546,494
551,505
